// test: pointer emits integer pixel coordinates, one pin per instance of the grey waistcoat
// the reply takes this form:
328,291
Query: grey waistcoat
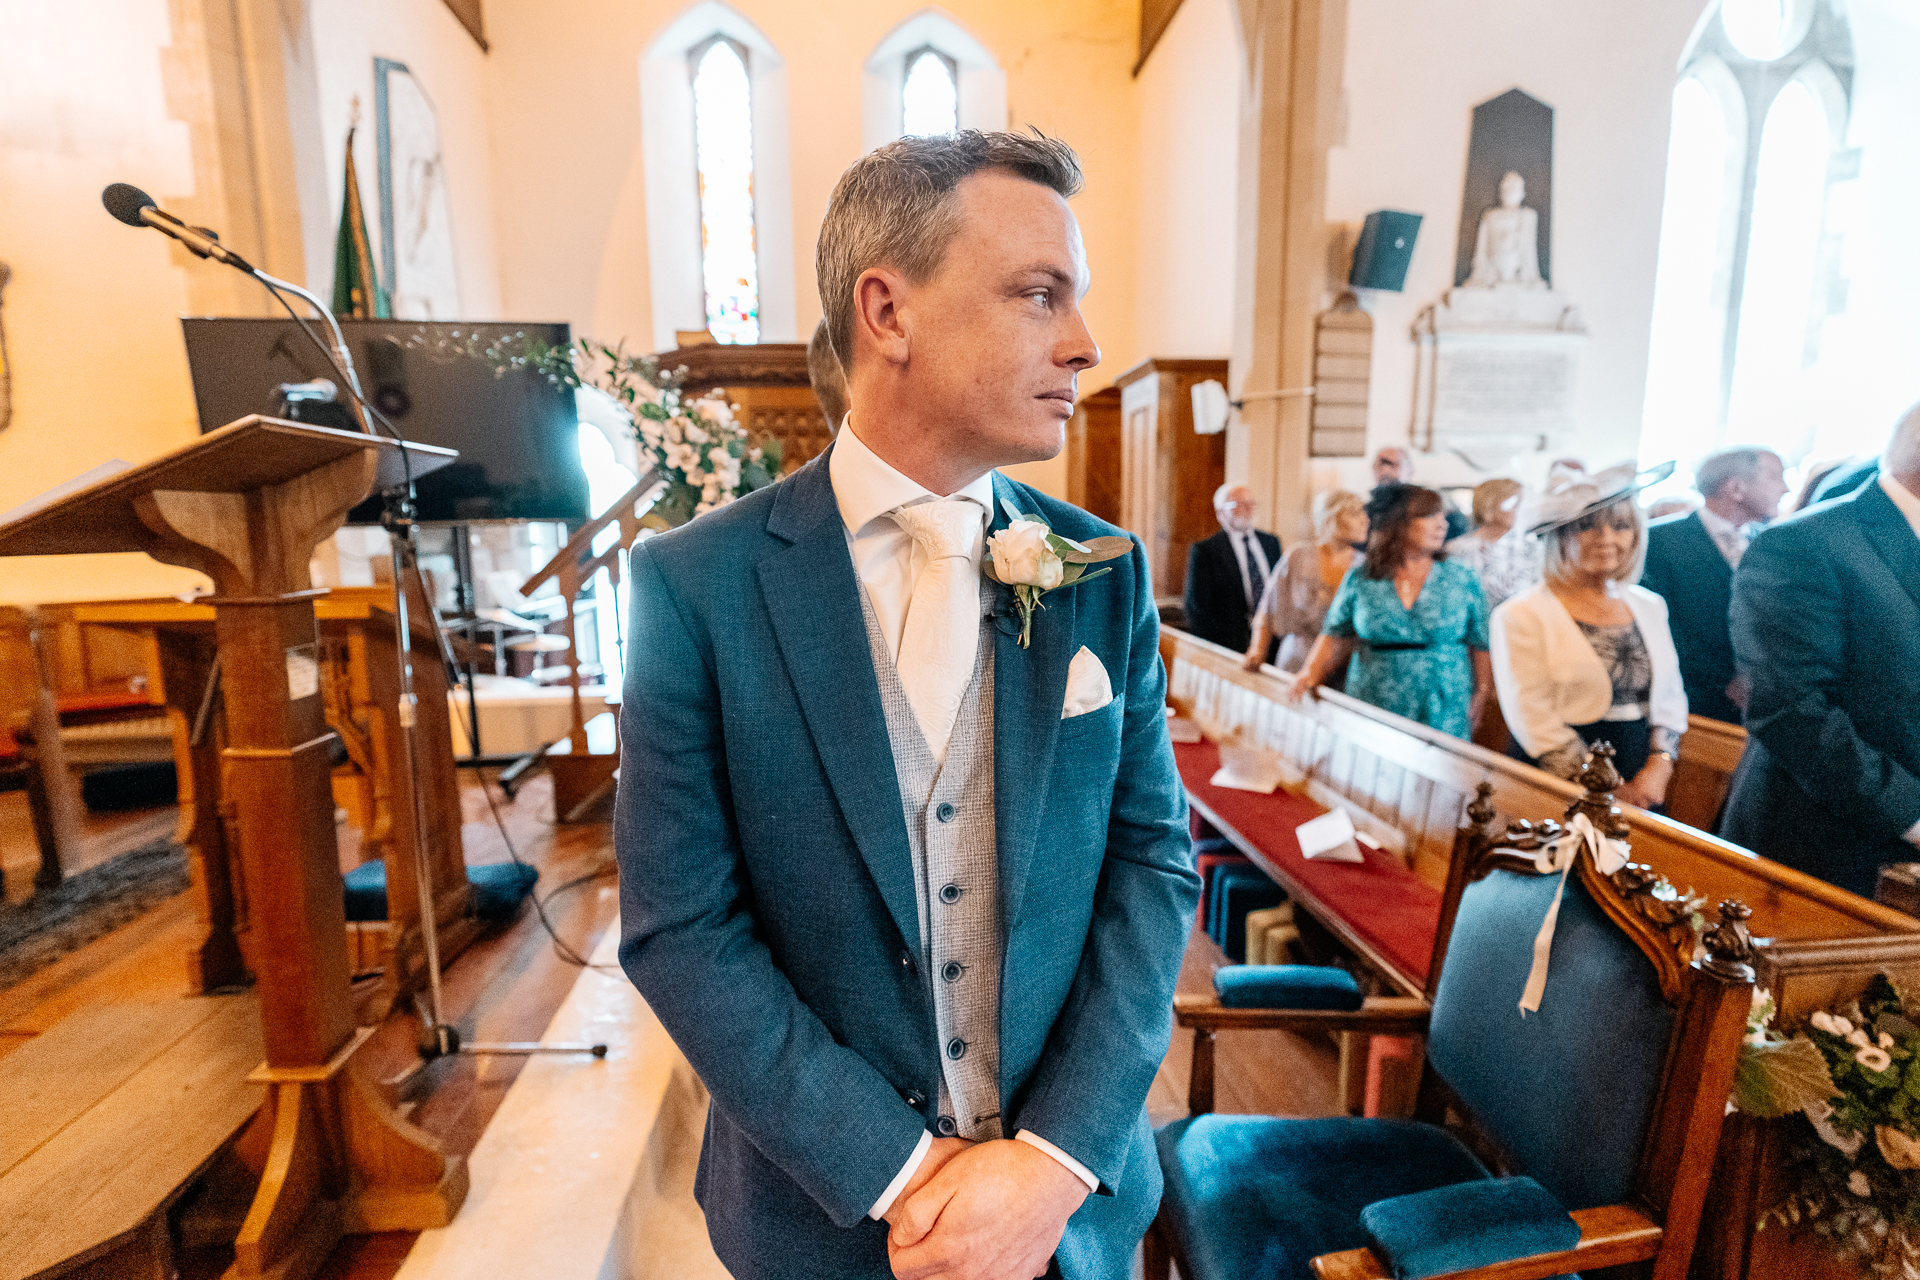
950,832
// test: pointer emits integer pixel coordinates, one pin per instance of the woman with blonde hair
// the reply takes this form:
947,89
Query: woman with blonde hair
1507,562
1586,656
1300,589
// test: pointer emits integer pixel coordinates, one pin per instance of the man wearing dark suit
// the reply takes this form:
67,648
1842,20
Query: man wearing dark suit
1691,559
1826,627
910,893
1227,573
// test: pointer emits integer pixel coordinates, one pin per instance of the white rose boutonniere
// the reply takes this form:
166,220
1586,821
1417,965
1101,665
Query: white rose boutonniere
1033,560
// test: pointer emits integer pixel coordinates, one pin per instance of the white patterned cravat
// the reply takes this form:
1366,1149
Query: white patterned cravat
942,633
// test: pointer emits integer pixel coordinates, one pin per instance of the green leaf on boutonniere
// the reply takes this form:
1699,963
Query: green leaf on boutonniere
1096,550
1078,578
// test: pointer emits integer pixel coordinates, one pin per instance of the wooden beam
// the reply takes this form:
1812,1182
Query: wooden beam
1155,17
468,12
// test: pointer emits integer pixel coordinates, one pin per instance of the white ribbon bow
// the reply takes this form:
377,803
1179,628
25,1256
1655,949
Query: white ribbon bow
1609,855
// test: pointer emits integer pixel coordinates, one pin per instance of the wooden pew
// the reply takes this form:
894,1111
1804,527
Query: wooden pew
109,1116
1815,944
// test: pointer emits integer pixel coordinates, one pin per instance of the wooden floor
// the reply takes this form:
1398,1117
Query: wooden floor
507,986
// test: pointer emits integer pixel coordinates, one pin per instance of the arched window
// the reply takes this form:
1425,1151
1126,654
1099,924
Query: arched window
723,156
718,184
1749,261
929,76
930,95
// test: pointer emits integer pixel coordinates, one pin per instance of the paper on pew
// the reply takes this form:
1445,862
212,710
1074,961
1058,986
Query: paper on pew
1246,768
1329,838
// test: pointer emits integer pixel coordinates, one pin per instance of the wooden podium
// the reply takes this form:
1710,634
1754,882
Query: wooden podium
246,505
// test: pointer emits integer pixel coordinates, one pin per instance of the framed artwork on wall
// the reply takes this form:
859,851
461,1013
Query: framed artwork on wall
416,228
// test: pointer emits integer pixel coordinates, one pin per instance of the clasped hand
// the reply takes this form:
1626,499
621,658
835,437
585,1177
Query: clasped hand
981,1211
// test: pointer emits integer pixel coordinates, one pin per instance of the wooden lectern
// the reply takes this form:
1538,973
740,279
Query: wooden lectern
246,505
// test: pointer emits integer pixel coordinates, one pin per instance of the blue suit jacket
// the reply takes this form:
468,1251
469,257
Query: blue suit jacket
767,896
1826,625
1685,566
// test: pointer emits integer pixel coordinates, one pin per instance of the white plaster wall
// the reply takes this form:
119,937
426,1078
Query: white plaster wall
1188,98
1413,75
347,36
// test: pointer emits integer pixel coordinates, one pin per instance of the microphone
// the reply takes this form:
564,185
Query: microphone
136,208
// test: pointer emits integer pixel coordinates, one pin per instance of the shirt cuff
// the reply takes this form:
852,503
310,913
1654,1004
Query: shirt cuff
1074,1167
1913,835
902,1178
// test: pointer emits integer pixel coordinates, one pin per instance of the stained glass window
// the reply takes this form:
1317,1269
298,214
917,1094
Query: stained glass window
723,153
930,95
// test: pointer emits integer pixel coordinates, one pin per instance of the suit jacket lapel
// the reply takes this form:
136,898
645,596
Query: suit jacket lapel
1889,534
1029,686
1722,572
813,599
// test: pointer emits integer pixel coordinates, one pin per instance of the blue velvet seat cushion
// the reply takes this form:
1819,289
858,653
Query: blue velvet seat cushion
498,888
1241,890
1468,1224
1286,986
1258,1197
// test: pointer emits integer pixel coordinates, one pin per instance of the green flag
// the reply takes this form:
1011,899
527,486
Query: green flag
356,285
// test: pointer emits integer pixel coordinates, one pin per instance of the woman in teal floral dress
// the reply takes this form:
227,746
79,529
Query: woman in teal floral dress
1410,628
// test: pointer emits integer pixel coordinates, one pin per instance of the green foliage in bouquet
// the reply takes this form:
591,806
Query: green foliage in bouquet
1847,1088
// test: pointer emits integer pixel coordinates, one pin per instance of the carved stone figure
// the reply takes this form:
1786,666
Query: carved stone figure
1506,254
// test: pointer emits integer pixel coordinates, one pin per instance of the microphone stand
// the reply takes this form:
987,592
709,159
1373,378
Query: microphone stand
398,517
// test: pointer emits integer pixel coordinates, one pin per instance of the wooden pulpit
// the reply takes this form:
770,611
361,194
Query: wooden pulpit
246,505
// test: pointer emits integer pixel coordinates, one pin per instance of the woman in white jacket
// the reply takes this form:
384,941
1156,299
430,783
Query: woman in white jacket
1586,655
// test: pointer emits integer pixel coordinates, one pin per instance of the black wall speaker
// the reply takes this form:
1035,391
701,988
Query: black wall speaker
1385,248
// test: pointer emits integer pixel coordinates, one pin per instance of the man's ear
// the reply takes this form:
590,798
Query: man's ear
878,325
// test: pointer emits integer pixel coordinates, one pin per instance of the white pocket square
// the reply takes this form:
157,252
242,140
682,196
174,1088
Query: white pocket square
1088,688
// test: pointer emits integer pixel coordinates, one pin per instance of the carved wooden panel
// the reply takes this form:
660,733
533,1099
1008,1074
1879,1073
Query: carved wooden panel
769,382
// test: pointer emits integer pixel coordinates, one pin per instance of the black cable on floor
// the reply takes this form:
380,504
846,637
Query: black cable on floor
560,947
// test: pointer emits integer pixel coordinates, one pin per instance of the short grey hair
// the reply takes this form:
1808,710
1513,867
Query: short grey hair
1557,565
1719,469
895,207
1903,451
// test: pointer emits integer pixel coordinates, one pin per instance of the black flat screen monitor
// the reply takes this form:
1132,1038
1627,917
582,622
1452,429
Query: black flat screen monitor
517,434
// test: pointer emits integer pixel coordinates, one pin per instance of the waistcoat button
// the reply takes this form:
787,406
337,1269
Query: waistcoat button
956,1048
947,1127
952,970
950,894
944,812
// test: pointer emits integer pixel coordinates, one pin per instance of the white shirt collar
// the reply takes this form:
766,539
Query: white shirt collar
1719,526
866,486
1903,498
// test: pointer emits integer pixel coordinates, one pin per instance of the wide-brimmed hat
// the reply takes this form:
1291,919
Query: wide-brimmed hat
1571,495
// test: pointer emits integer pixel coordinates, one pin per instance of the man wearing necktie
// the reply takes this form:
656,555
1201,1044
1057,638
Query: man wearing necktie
912,897
1691,559
1227,573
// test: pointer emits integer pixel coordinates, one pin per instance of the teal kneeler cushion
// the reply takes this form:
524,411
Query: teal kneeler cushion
1466,1225
1286,986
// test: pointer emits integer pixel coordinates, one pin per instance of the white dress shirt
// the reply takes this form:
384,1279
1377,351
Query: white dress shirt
1731,538
1253,576
888,563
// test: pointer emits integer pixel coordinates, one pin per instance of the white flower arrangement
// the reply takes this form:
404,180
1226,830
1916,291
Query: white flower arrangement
697,443
1033,560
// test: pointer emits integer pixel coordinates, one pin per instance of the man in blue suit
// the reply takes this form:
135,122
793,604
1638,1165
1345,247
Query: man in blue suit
1691,559
1826,629
910,895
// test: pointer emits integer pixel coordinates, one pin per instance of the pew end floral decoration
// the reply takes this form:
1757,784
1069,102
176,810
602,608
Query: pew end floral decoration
1847,1089
696,443
1031,558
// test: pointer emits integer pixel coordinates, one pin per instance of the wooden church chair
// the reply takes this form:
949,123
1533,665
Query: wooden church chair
1609,1098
